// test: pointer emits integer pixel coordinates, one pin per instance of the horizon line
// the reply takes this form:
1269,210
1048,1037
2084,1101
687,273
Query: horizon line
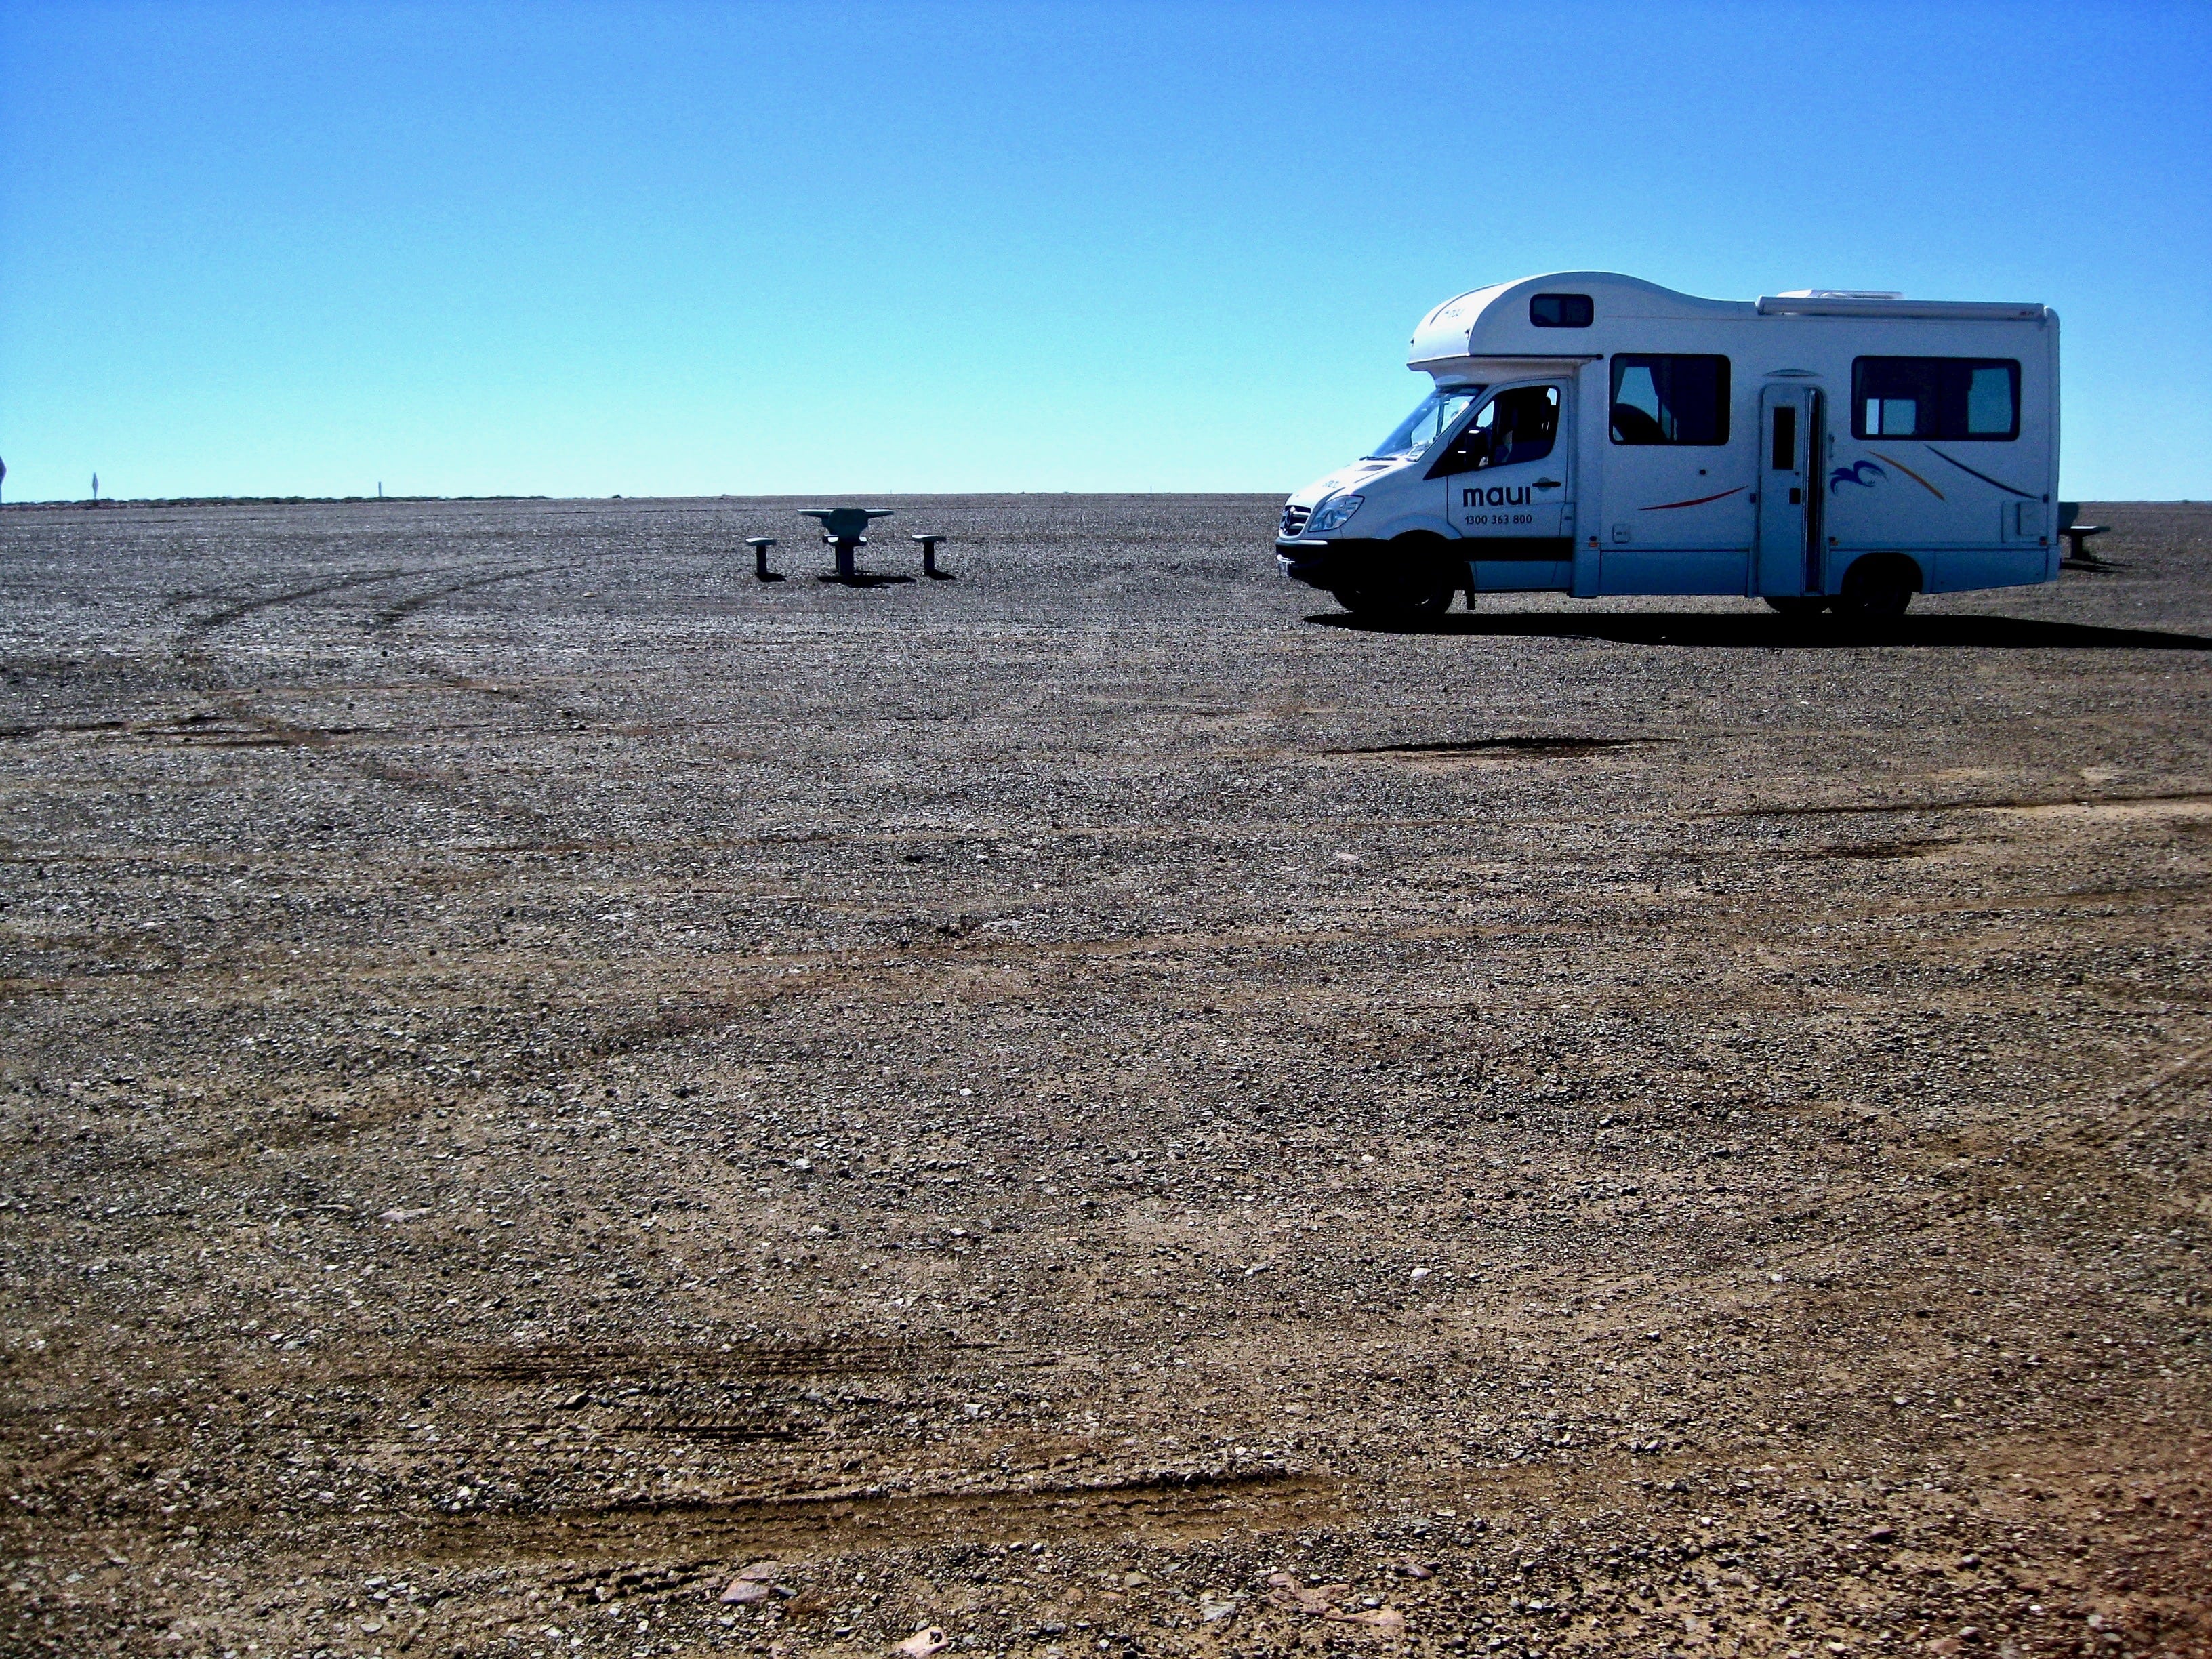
90,503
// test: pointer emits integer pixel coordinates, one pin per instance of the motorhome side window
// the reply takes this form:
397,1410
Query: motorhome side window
1519,424
1670,400
1954,399
1561,310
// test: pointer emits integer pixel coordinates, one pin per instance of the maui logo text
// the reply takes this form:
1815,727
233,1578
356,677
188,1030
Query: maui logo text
1496,495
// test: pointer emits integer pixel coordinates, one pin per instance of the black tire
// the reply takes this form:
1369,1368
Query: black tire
1811,604
1354,600
1429,595
1420,588
1877,589
1398,604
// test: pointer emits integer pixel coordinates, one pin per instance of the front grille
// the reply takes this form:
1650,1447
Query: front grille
1294,519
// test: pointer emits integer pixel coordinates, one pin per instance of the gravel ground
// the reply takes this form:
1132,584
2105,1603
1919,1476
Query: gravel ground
1094,1107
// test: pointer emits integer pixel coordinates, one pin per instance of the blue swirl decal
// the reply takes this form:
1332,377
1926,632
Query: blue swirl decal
1860,472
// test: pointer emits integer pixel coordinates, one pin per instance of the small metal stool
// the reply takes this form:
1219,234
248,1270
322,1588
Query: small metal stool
759,545
929,544
2077,535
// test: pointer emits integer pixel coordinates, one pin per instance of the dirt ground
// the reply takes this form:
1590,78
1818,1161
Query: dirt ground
1093,1107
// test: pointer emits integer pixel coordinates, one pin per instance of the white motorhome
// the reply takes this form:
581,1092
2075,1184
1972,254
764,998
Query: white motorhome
1593,435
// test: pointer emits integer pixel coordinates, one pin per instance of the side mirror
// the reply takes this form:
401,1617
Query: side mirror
1465,454
1471,449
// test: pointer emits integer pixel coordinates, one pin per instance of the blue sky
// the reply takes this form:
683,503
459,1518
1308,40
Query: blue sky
668,248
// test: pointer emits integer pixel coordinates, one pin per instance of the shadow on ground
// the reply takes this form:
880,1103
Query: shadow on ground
1693,627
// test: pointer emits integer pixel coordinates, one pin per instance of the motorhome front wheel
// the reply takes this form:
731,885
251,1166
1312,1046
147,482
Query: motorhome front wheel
1415,595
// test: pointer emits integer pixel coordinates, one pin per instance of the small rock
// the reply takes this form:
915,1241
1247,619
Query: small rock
1285,1592
1213,1609
1881,1535
924,1642
745,1592
1387,1621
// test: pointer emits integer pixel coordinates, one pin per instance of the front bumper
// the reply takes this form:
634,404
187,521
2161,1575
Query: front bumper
1325,562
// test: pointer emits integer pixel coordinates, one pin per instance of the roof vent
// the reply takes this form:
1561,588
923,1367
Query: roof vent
1838,294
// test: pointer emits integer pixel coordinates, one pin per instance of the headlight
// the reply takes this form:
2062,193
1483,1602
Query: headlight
1334,514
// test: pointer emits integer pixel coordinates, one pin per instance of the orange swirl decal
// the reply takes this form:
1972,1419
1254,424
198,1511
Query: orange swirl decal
1910,473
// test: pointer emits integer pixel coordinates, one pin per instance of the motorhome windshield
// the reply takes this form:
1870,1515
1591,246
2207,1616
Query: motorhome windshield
1439,413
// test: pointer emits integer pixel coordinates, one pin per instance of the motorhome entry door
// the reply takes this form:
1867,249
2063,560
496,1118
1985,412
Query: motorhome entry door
1790,426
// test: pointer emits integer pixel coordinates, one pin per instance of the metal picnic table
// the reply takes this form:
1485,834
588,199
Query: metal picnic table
845,528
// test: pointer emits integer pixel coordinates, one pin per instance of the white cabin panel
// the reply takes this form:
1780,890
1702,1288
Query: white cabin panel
1679,462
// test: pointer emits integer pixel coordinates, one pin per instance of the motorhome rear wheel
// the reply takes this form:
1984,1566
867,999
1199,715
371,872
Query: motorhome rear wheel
1878,588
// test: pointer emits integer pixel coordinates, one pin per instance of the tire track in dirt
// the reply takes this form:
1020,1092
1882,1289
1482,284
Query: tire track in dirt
1872,809
200,626
1157,1504
1564,748
612,1363
400,610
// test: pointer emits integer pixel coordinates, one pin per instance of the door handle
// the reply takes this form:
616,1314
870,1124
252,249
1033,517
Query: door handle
1548,483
